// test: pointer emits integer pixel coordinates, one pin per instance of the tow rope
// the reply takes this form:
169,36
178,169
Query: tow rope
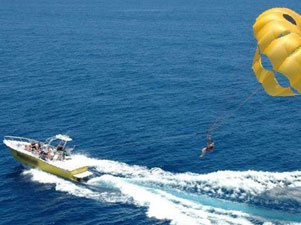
220,121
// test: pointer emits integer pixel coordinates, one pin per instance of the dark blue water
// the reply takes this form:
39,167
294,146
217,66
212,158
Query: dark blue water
113,72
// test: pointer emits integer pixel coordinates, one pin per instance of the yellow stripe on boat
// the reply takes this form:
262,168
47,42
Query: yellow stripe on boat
63,167
79,170
38,163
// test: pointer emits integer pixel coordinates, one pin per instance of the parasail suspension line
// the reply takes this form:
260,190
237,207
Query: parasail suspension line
223,119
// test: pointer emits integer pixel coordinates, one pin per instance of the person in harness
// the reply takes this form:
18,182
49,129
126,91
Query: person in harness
209,147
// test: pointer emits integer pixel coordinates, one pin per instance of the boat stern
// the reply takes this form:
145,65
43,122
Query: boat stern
81,174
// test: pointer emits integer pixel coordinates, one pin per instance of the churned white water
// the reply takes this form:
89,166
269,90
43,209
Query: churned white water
222,197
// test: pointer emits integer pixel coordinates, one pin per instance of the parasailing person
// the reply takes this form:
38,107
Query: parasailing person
209,147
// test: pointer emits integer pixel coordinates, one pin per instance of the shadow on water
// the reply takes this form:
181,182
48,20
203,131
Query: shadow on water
15,172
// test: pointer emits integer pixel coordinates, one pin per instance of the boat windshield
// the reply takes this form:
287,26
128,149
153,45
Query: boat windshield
58,140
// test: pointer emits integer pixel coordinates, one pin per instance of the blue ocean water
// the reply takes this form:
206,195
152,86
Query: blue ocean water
113,72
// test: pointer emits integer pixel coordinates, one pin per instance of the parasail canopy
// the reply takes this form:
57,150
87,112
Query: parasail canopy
278,34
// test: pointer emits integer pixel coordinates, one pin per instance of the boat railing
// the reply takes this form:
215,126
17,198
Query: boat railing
28,140
22,139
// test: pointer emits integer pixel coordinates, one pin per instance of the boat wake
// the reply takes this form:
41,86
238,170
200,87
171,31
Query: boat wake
223,197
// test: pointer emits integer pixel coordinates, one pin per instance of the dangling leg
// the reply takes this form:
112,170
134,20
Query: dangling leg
203,152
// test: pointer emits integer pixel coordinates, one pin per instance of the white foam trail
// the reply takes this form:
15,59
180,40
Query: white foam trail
113,167
75,189
162,205
146,187
226,184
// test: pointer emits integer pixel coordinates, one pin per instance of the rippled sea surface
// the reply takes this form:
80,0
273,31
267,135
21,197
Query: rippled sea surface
120,71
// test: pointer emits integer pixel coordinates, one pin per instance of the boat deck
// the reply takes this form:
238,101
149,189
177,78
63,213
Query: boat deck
67,164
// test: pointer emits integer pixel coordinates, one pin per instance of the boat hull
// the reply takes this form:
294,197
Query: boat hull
43,165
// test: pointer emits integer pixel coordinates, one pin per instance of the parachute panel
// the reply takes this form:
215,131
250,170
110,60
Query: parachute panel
291,67
272,31
268,80
281,48
278,34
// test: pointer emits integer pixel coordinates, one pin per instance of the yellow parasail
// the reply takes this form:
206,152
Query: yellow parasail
278,34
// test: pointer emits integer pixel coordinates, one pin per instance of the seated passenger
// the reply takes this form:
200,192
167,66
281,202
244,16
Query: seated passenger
49,156
59,147
38,146
33,145
28,148
43,155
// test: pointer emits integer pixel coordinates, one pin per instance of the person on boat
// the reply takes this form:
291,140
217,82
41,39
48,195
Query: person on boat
49,156
33,145
43,154
209,147
59,147
28,147
38,146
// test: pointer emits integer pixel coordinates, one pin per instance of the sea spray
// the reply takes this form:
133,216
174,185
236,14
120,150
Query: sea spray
177,197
